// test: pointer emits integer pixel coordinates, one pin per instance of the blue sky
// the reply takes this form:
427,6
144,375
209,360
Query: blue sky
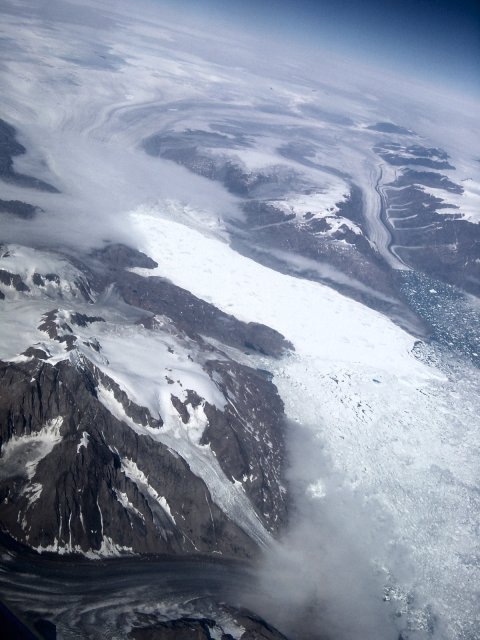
434,40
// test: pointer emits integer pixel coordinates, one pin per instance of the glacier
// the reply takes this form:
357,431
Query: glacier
298,194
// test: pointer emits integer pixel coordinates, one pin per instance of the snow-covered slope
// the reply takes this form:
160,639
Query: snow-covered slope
159,379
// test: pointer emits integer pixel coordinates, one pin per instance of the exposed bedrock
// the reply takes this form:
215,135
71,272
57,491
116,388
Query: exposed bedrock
91,483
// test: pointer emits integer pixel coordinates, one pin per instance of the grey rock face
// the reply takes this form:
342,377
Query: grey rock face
12,280
84,467
247,437
9,147
426,232
186,149
197,317
119,256
409,177
83,495
254,628
73,284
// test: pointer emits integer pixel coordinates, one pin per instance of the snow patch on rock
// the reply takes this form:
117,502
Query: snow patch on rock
21,454
83,442
131,470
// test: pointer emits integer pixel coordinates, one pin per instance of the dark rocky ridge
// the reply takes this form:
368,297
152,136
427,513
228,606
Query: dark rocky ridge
269,227
409,177
248,437
40,279
19,209
389,127
13,280
221,168
441,244
81,286
119,256
190,314
197,317
9,148
397,154
202,628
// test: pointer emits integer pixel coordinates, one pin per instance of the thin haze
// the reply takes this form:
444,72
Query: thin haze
434,41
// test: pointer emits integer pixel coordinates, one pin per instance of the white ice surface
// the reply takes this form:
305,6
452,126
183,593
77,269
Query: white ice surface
321,204
252,292
140,361
402,434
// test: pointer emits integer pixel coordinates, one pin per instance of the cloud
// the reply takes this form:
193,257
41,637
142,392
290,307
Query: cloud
320,580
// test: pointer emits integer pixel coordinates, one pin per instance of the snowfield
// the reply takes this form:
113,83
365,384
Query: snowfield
322,205
400,432
315,318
